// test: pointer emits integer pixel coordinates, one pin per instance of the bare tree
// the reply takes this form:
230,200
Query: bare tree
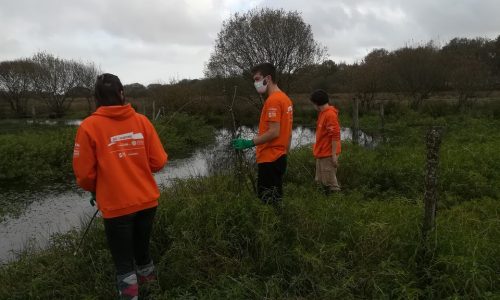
55,78
264,35
314,77
135,90
343,80
370,76
469,78
87,74
469,67
496,61
16,84
417,72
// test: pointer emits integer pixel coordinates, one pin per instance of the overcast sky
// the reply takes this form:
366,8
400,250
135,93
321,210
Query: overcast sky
152,41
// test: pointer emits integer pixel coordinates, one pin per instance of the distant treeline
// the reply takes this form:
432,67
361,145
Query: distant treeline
469,68
45,78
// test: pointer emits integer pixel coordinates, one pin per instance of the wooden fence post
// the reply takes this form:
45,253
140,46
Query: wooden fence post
433,142
355,120
381,114
382,120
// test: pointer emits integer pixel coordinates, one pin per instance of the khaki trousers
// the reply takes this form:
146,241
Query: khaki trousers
326,173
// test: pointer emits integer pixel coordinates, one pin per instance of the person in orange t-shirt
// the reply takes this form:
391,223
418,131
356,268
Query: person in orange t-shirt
274,137
116,151
327,148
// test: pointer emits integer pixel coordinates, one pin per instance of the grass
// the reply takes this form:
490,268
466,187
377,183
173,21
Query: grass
36,156
36,152
214,240
182,133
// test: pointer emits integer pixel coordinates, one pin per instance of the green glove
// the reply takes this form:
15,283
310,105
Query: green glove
240,144
92,199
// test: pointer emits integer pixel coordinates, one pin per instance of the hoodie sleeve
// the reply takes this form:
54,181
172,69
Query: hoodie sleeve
84,160
332,126
157,156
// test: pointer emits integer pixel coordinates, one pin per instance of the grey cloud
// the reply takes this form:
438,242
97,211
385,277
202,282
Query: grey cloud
152,40
159,22
351,28
450,18
154,21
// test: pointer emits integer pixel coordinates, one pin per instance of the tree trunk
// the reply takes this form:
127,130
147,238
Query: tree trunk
89,107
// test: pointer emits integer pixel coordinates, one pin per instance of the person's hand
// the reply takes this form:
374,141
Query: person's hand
335,161
240,144
92,199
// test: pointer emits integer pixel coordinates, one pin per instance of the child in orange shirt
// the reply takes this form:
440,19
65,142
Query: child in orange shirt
327,147
116,150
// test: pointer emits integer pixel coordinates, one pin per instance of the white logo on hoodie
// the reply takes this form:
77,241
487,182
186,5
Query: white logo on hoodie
124,137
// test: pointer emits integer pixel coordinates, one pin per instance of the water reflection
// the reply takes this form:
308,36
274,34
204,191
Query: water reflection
55,122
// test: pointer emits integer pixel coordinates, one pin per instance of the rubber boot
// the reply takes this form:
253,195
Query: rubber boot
128,289
146,273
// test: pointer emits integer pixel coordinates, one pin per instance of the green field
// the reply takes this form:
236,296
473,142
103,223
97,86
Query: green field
214,240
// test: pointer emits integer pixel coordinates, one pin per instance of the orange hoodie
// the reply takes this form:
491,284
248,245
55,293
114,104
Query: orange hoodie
116,150
277,108
327,131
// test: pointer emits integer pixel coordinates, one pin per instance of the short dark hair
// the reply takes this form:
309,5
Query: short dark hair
265,69
319,97
108,90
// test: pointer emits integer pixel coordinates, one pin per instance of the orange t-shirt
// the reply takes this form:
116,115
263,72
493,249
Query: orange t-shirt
116,150
277,108
327,131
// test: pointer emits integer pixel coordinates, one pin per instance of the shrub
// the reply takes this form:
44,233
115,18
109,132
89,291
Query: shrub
181,134
36,155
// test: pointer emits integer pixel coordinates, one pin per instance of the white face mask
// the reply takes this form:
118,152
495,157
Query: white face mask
260,86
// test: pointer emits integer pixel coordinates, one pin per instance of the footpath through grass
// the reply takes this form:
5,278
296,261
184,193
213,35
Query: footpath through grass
214,240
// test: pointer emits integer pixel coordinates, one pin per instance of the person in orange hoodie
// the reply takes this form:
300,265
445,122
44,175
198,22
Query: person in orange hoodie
116,150
327,148
274,137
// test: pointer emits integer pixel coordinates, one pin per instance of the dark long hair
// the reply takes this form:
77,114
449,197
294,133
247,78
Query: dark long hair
108,90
